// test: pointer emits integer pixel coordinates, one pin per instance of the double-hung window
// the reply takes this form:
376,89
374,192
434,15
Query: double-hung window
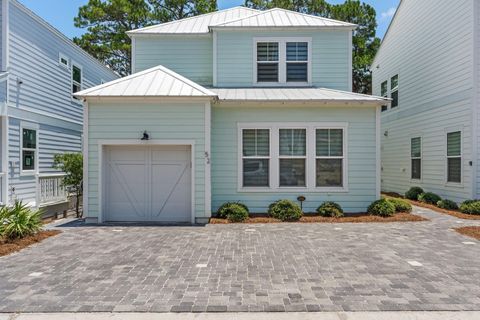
256,157
416,158
384,93
394,90
267,62
76,78
329,157
29,149
292,157
454,157
297,61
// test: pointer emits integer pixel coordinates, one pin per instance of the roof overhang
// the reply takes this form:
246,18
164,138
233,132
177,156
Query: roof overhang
283,28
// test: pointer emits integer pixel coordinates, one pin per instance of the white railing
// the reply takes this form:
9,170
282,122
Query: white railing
50,189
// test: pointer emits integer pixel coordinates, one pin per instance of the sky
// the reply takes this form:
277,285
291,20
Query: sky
60,13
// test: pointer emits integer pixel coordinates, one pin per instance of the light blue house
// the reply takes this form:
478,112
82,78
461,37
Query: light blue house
236,105
40,71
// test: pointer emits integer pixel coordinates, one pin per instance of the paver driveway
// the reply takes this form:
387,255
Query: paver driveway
276,267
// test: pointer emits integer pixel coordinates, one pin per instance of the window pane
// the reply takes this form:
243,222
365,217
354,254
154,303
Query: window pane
329,142
267,51
292,173
255,172
29,139
293,142
76,74
416,147
297,51
322,143
384,89
28,160
336,142
267,72
297,72
384,108
454,143
454,170
394,83
416,168
394,99
329,172
256,142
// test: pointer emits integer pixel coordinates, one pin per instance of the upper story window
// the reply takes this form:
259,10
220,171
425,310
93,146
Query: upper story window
76,78
282,61
454,157
394,91
63,61
384,93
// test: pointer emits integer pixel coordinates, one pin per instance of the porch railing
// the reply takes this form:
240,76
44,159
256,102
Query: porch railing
50,189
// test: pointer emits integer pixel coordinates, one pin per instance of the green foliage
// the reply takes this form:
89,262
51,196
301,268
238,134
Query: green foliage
365,42
429,197
470,207
72,165
413,193
107,22
228,207
19,221
237,213
447,204
400,205
285,210
382,207
330,209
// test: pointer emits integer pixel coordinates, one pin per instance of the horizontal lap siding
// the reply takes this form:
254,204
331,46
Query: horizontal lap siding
330,58
162,122
429,45
190,57
361,155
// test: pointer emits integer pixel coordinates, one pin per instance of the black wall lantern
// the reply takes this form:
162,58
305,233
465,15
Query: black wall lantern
301,199
145,136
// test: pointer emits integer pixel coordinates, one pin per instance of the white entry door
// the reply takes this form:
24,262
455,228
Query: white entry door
148,184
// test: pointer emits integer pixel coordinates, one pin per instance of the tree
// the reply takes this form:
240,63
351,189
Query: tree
365,42
72,165
107,22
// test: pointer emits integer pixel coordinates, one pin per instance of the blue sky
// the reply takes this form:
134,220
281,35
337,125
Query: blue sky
60,13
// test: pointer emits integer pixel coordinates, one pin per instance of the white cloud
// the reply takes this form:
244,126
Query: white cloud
388,14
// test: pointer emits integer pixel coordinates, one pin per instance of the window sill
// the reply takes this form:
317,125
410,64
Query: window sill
454,184
282,84
28,173
292,190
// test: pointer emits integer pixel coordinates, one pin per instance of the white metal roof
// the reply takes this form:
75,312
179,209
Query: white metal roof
197,24
303,94
154,82
277,17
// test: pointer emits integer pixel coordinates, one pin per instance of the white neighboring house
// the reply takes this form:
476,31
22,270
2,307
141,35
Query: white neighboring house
429,65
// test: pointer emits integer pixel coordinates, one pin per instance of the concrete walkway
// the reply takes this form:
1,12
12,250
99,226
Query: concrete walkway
248,316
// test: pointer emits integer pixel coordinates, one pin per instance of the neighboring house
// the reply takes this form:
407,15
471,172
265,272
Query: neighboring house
429,65
235,105
40,71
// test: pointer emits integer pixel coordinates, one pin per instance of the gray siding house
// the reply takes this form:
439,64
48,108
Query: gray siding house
429,64
40,70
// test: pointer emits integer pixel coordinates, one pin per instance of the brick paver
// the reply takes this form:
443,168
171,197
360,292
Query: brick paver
274,267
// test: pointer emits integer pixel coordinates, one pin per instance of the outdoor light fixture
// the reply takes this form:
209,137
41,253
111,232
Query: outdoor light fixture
145,136
301,199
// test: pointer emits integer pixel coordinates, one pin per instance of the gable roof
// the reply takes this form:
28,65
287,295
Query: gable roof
154,82
197,24
277,17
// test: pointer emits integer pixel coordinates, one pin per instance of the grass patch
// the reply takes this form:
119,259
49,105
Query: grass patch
10,246
473,232
357,218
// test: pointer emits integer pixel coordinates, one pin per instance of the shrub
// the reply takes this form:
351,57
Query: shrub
330,209
382,207
401,205
447,204
285,210
237,213
413,193
429,197
225,209
19,221
470,207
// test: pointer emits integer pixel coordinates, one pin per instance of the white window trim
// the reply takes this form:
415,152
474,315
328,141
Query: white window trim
395,89
269,157
63,56
305,157
75,64
274,167
412,158
30,126
343,157
449,183
282,61
385,95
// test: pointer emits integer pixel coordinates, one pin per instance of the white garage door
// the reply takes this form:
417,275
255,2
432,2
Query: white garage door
148,184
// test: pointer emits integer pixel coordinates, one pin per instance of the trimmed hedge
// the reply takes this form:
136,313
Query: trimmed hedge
382,208
429,197
330,209
226,208
401,205
447,204
413,193
285,210
470,207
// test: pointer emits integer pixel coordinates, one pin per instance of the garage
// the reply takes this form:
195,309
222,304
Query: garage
148,184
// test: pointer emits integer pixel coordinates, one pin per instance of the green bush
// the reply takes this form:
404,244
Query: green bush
285,210
19,221
470,207
382,207
447,204
330,209
225,209
413,193
401,205
429,197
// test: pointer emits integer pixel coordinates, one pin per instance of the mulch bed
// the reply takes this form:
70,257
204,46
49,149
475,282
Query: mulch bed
455,213
10,246
473,232
359,218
